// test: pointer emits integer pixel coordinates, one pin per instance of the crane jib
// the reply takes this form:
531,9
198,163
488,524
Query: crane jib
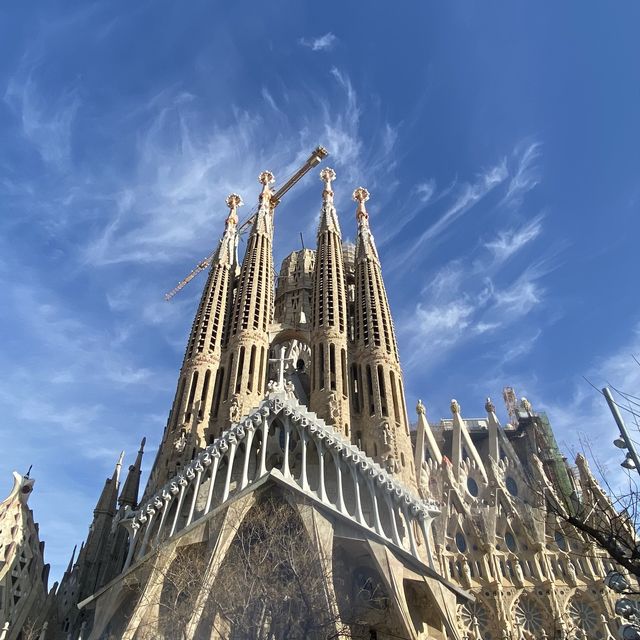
316,157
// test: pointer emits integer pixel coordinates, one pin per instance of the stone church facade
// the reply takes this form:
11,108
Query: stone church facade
291,391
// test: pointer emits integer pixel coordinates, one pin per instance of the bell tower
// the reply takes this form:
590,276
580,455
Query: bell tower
200,374
329,343
380,413
247,353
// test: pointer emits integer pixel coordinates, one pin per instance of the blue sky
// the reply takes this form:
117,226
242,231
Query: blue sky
499,141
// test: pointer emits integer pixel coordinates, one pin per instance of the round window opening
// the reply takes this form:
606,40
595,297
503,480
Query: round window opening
472,487
510,541
512,487
461,543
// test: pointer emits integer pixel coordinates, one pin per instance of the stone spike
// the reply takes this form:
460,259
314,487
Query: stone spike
129,493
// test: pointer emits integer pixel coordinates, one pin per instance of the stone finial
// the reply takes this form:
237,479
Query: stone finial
361,195
327,175
489,407
526,405
421,410
266,178
455,407
233,202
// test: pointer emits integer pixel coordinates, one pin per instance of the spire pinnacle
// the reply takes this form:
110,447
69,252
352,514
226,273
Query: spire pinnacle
233,202
116,473
108,497
327,175
361,195
129,493
73,557
266,178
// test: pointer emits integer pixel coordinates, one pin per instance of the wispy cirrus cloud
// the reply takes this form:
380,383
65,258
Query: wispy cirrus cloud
426,191
466,197
321,43
526,175
46,124
473,296
509,241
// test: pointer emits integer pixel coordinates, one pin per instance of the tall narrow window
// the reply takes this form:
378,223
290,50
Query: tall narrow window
239,371
360,388
383,391
252,364
343,368
355,389
203,395
228,389
332,366
261,373
394,394
401,398
217,391
372,405
179,399
321,367
192,394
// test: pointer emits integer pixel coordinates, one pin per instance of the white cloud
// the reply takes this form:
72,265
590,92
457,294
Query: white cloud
520,297
526,175
322,43
462,302
47,124
467,197
510,241
519,348
426,190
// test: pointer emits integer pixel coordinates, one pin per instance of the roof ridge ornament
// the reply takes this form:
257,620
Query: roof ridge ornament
233,202
361,195
266,178
327,175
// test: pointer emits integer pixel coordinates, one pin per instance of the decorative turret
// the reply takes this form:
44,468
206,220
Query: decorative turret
329,343
378,407
248,339
129,493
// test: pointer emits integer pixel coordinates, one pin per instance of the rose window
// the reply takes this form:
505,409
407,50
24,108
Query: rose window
529,617
584,616
474,617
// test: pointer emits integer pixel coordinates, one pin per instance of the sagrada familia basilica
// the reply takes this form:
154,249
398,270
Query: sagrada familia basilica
290,400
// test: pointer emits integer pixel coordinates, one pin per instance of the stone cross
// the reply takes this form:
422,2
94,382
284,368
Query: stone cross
282,359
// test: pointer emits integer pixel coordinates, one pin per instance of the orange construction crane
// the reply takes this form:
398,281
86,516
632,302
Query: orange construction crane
316,157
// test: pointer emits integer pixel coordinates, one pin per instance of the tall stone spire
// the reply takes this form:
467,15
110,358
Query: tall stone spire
92,557
329,340
194,404
108,498
379,407
248,338
129,493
